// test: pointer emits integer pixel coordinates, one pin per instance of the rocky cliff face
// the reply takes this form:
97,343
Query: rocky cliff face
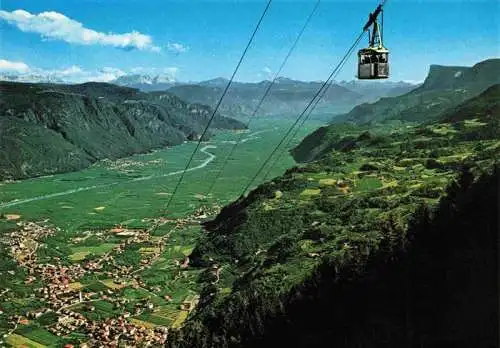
446,93
452,77
443,88
47,128
286,98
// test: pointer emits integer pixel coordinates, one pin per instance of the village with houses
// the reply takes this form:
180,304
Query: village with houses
120,287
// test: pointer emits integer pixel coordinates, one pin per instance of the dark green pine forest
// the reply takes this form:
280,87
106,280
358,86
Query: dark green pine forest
53,128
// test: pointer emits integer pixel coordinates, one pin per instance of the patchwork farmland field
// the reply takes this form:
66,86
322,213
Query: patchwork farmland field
89,235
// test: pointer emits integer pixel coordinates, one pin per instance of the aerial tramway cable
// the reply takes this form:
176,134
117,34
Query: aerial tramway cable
301,115
315,104
219,103
264,96
316,97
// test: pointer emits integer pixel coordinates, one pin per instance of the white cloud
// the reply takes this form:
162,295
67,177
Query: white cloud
268,73
413,82
115,71
76,74
106,74
73,70
137,70
171,71
15,67
177,47
72,74
56,26
20,71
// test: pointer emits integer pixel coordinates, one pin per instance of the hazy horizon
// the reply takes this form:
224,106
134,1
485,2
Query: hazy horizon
189,42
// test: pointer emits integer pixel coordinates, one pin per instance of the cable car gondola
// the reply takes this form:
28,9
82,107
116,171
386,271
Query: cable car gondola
373,61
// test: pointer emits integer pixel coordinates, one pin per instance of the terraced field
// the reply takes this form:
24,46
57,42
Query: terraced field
320,238
101,220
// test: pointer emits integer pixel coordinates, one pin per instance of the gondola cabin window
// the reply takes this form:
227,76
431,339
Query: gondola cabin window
373,64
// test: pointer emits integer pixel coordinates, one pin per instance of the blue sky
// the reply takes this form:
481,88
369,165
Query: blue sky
197,40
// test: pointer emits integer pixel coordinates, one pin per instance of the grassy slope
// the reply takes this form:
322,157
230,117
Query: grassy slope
484,106
327,138
303,246
444,87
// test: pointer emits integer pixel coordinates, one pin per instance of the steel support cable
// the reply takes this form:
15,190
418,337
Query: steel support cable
332,75
323,86
219,102
264,96
315,104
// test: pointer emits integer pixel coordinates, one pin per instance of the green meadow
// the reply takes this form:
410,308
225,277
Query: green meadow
131,189
130,192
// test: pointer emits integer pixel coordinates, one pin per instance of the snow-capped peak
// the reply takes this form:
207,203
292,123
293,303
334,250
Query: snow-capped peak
30,77
139,79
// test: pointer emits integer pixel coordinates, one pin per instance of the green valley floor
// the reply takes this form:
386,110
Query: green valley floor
96,249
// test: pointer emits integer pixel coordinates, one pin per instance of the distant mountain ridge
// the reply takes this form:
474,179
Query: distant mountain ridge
444,87
373,90
287,96
446,93
145,82
31,78
50,128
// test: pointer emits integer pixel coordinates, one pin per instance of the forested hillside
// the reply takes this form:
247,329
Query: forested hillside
388,239
484,107
48,128
286,97
443,88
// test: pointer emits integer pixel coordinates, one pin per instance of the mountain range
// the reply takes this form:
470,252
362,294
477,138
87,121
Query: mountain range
92,121
145,82
50,128
387,228
445,86
444,89
286,98
31,78
385,236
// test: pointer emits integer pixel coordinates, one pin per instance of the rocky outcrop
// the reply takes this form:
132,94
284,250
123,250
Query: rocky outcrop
444,87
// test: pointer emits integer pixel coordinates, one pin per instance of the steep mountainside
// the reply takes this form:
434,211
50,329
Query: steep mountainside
444,87
373,90
370,246
474,78
47,128
287,97
484,107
